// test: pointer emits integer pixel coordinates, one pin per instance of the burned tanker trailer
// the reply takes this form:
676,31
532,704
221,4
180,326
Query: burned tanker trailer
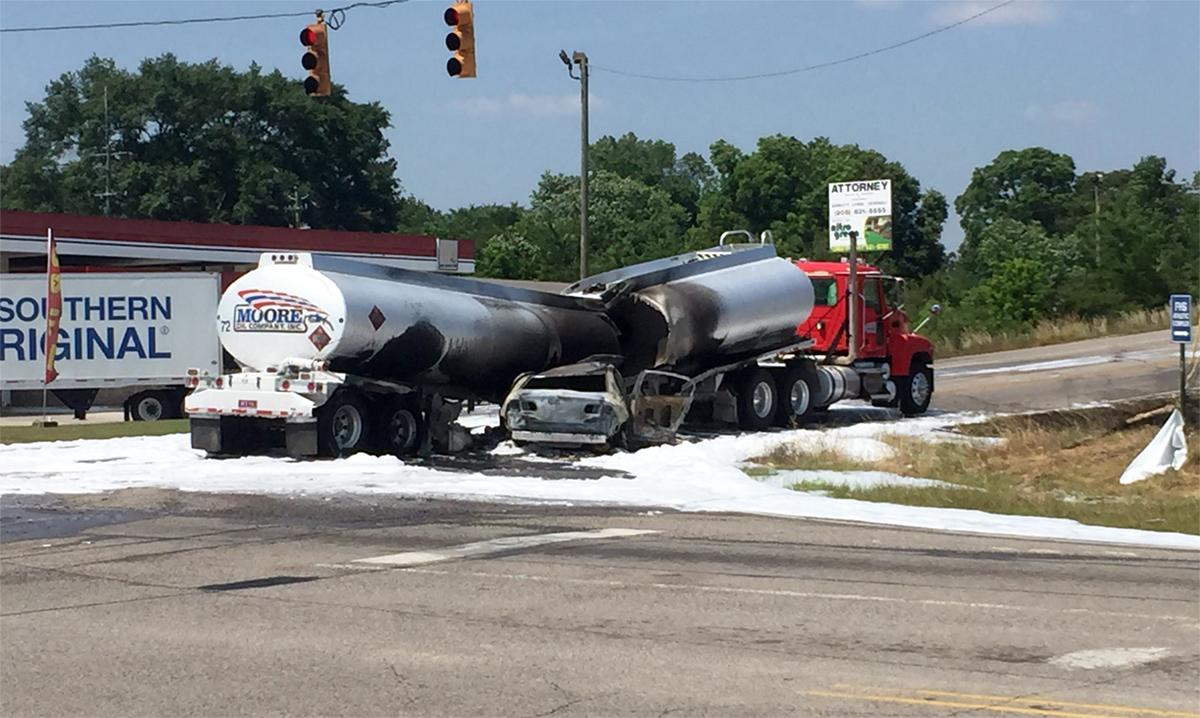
711,334
339,356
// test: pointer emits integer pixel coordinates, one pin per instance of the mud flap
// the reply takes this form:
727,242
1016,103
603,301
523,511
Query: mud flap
300,438
206,434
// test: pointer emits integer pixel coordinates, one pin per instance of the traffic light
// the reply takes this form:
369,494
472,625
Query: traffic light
316,59
461,40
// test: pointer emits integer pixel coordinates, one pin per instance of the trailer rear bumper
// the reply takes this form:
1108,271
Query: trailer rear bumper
239,435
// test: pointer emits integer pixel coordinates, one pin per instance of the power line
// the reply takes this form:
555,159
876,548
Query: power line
808,68
200,20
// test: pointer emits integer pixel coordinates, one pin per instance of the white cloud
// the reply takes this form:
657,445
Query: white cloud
519,103
1022,12
1066,111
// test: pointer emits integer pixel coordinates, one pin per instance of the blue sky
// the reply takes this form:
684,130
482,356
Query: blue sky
1106,82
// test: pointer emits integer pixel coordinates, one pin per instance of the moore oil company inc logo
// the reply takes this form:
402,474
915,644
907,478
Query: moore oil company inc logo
266,310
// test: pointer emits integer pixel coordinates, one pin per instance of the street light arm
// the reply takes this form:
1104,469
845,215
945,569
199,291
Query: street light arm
562,55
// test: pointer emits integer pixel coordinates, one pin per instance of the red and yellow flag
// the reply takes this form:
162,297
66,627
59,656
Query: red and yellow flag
53,304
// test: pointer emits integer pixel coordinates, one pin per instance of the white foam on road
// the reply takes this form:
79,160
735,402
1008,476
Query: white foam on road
1058,364
849,479
506,544
1109,658
702,475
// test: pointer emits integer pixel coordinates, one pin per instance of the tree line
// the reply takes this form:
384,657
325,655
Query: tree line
203,142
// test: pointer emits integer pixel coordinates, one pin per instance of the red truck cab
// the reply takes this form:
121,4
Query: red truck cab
884,336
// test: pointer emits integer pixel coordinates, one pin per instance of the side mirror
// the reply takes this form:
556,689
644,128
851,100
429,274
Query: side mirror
935,310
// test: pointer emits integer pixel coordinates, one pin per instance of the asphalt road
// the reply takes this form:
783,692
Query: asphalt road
1105,369
237,605
149,602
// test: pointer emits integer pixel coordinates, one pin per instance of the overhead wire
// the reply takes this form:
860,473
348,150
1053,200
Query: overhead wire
338,12
807,68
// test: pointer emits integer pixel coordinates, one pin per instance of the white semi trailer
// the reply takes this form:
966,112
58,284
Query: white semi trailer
119,330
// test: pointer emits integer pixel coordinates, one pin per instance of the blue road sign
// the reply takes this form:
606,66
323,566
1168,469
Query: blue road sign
1181,318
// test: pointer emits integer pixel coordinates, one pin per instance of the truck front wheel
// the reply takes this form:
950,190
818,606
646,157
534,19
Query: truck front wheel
757,399
341,425
916,389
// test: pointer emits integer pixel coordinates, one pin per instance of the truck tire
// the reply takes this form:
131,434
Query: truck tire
915,390
150,406
399,429
342,426
797,387
757,399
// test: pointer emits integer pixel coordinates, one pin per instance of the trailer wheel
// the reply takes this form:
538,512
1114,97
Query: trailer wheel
150,406
797,389
341,425
757,399
400,429
916,389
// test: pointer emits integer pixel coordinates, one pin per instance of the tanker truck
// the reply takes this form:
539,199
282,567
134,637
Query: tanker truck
340,356
731,334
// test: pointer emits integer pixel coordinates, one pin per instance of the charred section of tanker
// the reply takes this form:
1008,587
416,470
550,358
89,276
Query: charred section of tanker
702,309
467,337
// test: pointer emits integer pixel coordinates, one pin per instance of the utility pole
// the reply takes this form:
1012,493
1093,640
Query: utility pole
296,206
1096,197
108,153
581,59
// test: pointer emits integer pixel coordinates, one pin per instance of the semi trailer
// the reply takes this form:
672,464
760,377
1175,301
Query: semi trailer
732,334
339,356
135,334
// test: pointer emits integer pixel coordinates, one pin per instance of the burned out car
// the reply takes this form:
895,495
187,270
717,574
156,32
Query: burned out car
574,405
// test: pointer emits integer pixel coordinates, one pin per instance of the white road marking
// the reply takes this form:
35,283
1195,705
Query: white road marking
1108,658
494,546
1044,552
1069,363
1187,621
1122,554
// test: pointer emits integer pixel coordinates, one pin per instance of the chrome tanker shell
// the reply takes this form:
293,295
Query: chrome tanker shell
462,334
704,309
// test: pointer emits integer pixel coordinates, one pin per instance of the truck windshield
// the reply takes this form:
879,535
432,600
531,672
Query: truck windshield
825,289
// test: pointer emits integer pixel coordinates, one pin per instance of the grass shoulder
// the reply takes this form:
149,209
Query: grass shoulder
71,432
1061,465
1050,331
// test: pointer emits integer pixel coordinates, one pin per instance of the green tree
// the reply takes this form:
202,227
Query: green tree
1032,185
654,164
783,186
629,222
203,142
1013,297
